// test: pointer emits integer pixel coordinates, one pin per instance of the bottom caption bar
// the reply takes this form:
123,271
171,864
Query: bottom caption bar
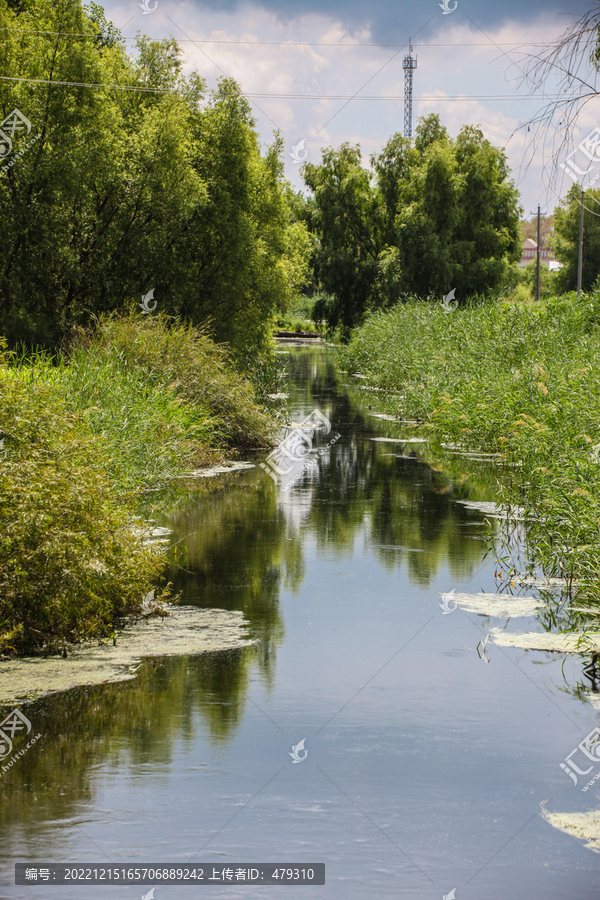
169,873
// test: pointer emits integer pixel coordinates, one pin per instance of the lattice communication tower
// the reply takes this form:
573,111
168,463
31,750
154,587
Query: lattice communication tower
409,65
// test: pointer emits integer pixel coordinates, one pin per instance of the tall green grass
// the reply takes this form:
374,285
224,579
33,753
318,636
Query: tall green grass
131,405
523,380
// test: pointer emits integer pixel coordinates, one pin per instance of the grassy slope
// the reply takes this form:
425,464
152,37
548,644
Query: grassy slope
521,379
134,404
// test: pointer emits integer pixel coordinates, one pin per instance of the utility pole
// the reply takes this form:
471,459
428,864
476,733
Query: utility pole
409,65
537,281
580,261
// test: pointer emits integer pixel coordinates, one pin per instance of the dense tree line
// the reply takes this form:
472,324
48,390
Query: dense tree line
430,215
134,177
162,185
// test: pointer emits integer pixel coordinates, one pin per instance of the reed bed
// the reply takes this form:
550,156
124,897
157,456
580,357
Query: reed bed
519,379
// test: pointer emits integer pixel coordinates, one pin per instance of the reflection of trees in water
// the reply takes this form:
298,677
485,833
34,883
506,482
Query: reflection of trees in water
240,548
399,502
243,541
138,722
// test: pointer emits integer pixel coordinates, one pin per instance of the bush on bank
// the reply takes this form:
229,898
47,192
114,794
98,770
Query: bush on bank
131,405
521,379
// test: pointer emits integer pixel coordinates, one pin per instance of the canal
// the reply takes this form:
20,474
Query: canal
426,765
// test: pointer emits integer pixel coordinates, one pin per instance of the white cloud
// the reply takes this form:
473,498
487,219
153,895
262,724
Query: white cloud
443,72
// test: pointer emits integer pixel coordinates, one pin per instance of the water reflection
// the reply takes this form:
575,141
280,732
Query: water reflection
241,540
241,543
246,539
240,548
125,726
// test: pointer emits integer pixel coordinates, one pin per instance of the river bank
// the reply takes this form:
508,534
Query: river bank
132,406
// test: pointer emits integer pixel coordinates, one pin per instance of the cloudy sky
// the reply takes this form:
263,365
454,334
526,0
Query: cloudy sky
300,62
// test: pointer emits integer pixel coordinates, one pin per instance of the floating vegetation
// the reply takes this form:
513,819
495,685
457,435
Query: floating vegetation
394,547
495,510
500,606
544,583
131,406
222,469
566,642
517,384
182,630
582,825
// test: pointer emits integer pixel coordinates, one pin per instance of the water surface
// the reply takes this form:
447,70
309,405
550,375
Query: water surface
426,766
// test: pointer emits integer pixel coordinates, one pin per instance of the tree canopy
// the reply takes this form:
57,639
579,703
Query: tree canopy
139,179
436,214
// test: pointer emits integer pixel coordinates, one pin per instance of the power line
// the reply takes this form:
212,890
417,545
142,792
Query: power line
394,98
271,96
119,87
370,79
225,74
